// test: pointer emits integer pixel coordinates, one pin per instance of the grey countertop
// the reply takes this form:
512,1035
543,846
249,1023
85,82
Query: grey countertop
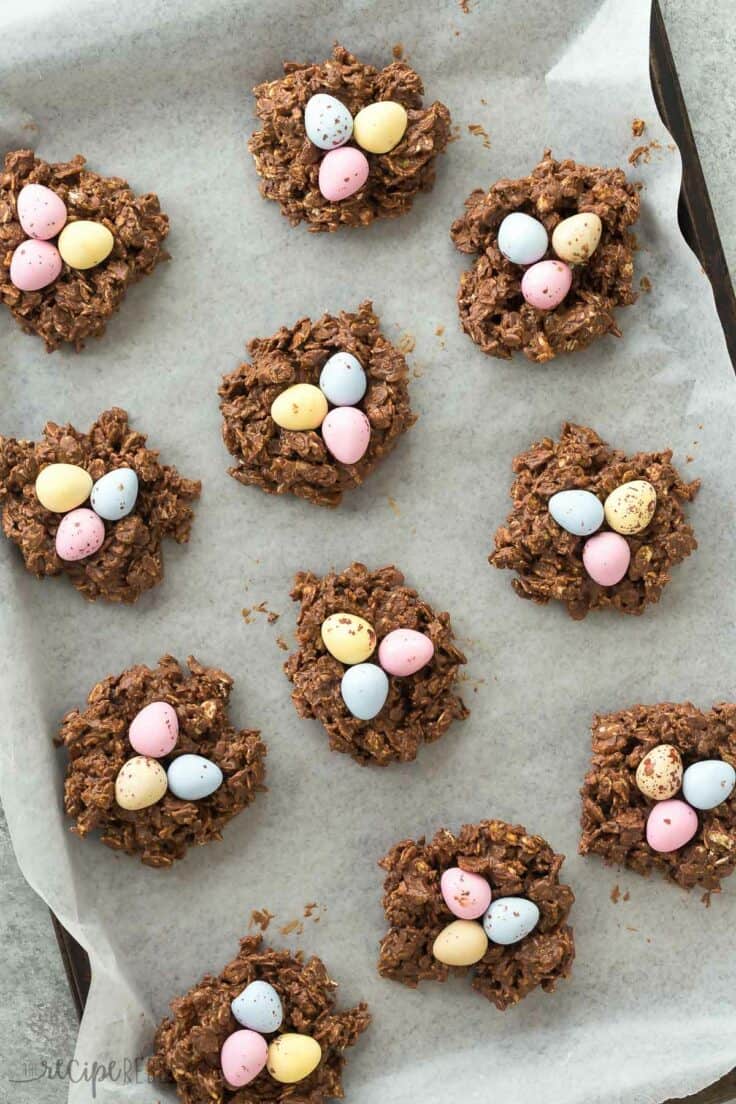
37,1016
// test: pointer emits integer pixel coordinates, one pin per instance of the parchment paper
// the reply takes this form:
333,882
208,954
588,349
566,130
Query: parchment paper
160,93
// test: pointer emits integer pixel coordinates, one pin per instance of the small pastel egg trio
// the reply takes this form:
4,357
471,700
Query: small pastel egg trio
352,641
37,262
346,430
62,488
142,780
523,240
480,920
628,510
706,784
289,1058
377,128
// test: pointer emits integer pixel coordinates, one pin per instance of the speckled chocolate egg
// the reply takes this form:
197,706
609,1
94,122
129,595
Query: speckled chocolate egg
380,126
403,652
300,407
41,212
348,638
347,434
81,533
670,825
342,173
34,265
342,380
510,919
659,774
579,512
85,244
242,1057
522,239
630,508
575,239
364,690
140,782
62,487
328,122
114,495
258,1007
461,943
708,783
606,557
192,777
293,1057
154,730
546,284
467,895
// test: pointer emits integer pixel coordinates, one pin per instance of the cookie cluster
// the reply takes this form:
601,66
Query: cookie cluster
523,240
673,821
37,261
504,921
63,488
289,1057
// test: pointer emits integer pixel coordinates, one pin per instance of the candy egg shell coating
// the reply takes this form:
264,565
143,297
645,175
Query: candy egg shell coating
659,774
522,239
461,943
606,557
85,244
293,1057
404,652
114,494
350,639
708,783
364,690
34,265
154,730
62,487
380,126
140,782
670,825
466,895
546,284
41,212
328,122
510,919
343,380
192,777
342,173
81,533
630,507
242,1057
575,239
577,511
258,1007
300,407
347,434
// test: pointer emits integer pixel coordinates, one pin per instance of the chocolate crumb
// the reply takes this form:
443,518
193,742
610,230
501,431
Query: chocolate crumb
480,132
638,126
615,894
261,918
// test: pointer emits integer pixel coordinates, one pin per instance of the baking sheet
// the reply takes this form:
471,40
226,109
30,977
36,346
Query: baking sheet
160,94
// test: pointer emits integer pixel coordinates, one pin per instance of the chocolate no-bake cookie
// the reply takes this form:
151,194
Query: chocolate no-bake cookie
548,560
288,163
515,864
188,1044
492,309
283,461
615,811
78,303
96,740
419,708
130,559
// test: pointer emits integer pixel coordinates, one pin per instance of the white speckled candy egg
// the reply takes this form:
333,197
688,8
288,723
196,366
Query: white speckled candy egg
328,122
467,895
708,783
154,730
348,638
81,533
258,1007
85,244
192,777
62,487
342,380
461,943
114,494
630,508
510,919
364,690
140,782
579,512
293,1057
575,239
659,774
300,407
522,239
41,212
380,126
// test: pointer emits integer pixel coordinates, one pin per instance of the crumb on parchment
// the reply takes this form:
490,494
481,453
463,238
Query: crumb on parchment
638,126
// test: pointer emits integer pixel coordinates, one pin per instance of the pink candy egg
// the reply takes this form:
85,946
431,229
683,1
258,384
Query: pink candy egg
34,265
546,284
466,895
79,535
155,730
404,651
606,557
671,825
41,212
346,432
242,1057
342,173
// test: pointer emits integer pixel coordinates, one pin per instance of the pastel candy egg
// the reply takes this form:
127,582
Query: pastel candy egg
343,380
140,782
302,406
405,651
85,244
522,239
708,783
466,895
34,265
546,284
328,122
347,434
364,690
80,534
630,508
380,126
579,512
41,212
348,638
114,494
461,943
342,173
510,919
606,558
258,1007
154,730
293,1057
192,777
575,239
659,774
670,825
242,1057
61,487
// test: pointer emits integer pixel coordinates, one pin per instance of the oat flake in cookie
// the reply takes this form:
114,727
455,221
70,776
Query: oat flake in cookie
551,562
188,1044
493,310
419,708
514,865
97,741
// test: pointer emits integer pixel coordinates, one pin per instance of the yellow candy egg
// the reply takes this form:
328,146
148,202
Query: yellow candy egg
348,638
140,782
63,487
380,126
461,943
659,774
293,1057
575,239
85,244
630,508
302,406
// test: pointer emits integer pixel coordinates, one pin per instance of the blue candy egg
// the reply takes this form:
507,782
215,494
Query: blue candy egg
579,512
343,380
364,690
192,777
